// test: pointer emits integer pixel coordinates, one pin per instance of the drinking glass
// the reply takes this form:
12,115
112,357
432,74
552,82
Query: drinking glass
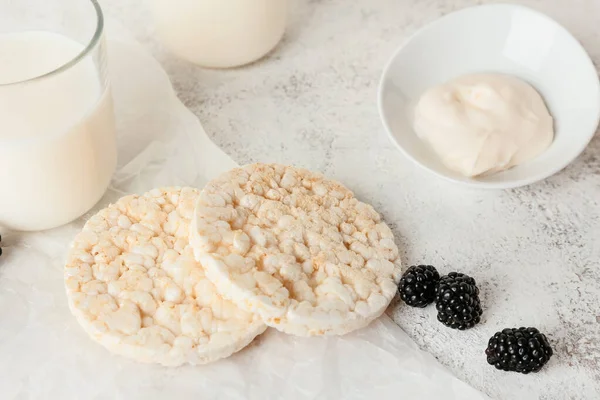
220,33
57,131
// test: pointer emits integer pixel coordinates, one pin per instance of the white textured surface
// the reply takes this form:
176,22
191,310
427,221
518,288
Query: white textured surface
312,103
44,354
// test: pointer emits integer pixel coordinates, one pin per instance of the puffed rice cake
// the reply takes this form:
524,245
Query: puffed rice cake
134,285
296,248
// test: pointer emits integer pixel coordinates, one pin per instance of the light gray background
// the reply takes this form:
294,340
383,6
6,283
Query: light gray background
534,251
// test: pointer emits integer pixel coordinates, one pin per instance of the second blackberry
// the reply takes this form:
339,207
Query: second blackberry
457,301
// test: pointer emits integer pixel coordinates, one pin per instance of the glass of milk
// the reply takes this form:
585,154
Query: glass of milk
220,33
57,132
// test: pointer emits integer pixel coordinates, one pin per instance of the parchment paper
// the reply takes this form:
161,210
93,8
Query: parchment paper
44,354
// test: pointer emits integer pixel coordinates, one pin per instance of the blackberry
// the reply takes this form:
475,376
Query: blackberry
521,350
417,286
0,243
457,301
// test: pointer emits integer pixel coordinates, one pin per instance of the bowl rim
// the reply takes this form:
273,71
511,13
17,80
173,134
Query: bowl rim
483,184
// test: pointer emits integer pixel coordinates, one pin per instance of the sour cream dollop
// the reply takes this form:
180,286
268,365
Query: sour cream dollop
484,123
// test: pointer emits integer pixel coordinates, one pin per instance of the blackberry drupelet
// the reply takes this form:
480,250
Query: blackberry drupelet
457,301
521,350
417,286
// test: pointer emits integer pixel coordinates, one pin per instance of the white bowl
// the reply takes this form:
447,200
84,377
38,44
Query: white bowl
501,38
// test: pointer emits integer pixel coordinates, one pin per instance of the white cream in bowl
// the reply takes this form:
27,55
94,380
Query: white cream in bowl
512,40
484,123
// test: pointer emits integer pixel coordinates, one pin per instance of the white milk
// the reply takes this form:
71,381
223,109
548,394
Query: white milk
57,135
220,33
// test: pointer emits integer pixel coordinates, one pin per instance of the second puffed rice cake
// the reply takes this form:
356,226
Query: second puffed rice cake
296,248
134,285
